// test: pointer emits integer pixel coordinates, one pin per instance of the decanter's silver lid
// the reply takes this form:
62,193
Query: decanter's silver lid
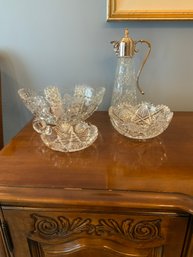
125,47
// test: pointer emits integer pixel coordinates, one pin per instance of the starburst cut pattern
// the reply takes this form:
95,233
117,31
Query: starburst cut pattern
142,121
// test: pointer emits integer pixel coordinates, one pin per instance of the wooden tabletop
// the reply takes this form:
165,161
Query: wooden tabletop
113,164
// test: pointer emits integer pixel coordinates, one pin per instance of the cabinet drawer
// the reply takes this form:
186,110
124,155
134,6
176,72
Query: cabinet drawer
95,232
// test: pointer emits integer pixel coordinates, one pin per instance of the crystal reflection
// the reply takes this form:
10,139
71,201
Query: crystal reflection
135,155
82,158
123,157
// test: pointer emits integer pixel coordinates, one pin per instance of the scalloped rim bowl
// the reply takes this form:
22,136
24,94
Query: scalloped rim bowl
143,121
60,119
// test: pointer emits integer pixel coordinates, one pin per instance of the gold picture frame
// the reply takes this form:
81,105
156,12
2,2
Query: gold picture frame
120,10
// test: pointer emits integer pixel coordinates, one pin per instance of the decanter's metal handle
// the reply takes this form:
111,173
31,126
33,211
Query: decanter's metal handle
144,61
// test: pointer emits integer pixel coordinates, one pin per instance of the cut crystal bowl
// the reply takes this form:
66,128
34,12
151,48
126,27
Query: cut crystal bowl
142,121
60,119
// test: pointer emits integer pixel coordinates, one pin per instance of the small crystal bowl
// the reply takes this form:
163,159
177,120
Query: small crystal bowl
60,120
142,121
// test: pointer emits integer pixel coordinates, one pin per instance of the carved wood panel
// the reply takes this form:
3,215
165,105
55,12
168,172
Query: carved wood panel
101,235
88,233
61,226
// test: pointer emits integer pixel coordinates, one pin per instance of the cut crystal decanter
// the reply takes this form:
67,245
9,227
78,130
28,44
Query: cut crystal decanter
131,116
60,119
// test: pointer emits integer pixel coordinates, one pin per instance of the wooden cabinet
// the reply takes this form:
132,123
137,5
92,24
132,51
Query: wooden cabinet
95,232
116,198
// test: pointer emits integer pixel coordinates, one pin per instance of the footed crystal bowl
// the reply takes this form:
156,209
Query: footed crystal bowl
60,119
142,121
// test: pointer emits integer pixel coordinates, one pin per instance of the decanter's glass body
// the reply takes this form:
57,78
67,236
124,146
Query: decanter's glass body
125,82
131,116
